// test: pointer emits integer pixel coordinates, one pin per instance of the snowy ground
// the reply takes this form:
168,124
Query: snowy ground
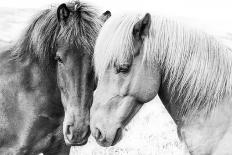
151,132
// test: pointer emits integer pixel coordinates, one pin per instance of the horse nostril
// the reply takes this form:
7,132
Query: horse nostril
98,135
86,133
69,132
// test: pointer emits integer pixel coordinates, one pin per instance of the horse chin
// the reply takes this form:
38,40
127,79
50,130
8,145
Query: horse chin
104,144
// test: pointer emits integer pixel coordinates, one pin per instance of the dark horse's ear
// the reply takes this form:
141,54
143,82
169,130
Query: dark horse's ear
62,12
142,27
105,16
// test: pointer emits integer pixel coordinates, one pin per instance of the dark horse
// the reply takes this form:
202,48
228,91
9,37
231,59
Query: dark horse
47,69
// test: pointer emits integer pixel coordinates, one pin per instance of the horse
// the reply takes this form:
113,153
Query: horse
47,82
140,56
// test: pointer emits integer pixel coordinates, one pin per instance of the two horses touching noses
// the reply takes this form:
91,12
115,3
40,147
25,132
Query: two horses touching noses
138,57
47,82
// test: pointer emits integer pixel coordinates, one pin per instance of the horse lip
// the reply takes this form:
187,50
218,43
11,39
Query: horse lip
81,143
103,143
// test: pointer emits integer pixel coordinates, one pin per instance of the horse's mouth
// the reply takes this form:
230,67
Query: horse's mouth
81,143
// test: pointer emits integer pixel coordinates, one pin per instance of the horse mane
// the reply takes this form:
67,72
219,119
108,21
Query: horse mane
192,62
39,41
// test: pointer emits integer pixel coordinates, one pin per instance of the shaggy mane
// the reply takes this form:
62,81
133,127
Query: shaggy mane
39,41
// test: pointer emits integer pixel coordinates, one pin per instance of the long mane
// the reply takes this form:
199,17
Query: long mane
193,63
39,41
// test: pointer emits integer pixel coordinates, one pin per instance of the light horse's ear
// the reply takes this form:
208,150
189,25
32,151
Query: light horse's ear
62,13
106,15
142,27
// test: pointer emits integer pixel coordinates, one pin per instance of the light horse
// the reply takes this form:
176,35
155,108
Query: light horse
137,57
47,81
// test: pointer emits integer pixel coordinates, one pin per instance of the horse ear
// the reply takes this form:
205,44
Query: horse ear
106,15
142,27
62,12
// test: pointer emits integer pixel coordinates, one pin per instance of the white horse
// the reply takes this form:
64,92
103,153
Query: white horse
137,57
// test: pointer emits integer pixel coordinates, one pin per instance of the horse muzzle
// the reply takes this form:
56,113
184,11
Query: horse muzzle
75,136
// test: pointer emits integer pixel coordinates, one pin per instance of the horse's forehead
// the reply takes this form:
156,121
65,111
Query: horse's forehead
79,51
75,40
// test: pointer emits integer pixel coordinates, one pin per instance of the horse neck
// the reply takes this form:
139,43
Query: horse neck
173,109
175,95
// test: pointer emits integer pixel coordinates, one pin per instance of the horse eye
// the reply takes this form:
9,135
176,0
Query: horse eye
123,68
58,58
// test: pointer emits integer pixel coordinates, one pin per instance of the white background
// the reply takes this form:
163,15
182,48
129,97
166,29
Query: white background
210,9
214,15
